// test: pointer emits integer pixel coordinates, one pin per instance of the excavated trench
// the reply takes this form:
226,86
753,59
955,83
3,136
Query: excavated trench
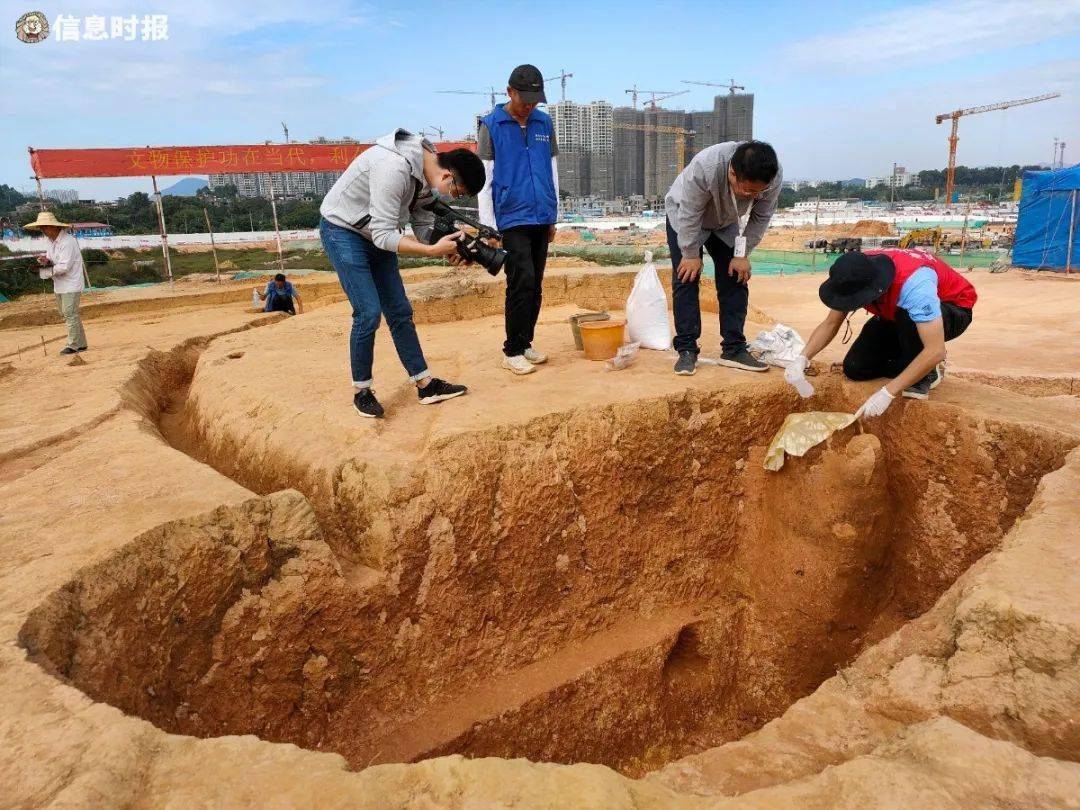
622,585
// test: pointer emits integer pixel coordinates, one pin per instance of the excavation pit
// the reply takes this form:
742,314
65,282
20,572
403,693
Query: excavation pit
621,585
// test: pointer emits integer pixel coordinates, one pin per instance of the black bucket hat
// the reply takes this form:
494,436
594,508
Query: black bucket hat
856,280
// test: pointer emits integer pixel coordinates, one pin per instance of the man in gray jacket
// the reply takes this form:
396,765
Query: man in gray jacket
363,220
721,202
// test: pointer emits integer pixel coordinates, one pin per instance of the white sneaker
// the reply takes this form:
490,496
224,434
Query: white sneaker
534,357
518,364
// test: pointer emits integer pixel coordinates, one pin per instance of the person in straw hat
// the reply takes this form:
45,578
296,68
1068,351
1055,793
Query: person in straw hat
63,263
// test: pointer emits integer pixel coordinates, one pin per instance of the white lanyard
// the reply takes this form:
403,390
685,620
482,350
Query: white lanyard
745,218
740,240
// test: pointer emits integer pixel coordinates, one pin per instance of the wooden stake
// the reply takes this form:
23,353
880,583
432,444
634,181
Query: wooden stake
963,236
161,226
277,231
217,267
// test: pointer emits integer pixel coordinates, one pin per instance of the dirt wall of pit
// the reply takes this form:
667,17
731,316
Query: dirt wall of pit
500,564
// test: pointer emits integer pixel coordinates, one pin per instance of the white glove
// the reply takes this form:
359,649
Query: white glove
876,405
795,374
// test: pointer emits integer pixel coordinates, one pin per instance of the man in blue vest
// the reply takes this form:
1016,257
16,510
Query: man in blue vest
516,141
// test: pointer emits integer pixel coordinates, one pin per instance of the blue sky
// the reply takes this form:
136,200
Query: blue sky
843,89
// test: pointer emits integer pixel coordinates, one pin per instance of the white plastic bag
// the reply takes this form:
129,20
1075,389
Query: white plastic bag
646,310
777,347
256,302
624,356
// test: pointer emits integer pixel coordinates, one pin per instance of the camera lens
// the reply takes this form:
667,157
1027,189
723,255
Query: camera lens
488,257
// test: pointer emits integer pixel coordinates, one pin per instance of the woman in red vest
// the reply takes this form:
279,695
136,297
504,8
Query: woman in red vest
918,302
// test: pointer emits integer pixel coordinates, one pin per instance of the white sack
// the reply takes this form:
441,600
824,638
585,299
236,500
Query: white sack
646,310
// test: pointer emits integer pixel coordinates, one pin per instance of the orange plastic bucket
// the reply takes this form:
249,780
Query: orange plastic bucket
602,339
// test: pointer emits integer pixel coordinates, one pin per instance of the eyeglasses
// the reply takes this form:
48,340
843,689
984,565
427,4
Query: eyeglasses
455,190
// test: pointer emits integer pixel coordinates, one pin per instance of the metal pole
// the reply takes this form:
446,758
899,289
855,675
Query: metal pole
161,226
813,241
1072,226
277,232
963,235
40,193
213,247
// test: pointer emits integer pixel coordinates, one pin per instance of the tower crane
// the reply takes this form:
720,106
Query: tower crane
680,142
657,95
655,98
955,115
491,92
562,77
731,86
434,130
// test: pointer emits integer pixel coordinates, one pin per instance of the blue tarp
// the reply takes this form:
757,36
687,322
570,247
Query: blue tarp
1048,202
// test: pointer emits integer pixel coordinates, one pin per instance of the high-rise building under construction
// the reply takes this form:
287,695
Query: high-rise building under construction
586,147
603,153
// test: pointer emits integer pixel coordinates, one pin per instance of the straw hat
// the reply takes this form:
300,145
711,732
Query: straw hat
45,218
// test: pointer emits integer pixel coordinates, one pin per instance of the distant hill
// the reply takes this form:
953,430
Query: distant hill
854,181
188,187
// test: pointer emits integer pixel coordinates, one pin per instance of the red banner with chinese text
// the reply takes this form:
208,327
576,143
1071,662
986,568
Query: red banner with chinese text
167,160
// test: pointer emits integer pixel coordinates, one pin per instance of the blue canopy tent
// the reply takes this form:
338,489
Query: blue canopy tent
1048,225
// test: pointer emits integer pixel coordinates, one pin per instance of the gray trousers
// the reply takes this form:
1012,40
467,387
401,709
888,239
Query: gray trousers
68,304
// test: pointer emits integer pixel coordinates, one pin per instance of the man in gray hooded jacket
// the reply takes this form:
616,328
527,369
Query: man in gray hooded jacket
363,221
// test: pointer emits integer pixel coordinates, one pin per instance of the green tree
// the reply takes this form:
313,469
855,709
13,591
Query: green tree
10,198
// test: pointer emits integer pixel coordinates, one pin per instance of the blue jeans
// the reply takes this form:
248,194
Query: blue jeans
732,296
372,281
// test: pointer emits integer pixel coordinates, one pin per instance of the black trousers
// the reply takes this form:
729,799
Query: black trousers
731,295
282,303
885,348
526,248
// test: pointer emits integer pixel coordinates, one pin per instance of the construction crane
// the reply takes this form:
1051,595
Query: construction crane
657,95
731,86
491,91
656,98
562,77
955,115
434,130
680,143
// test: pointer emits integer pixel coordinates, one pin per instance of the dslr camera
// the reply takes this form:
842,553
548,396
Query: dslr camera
469,247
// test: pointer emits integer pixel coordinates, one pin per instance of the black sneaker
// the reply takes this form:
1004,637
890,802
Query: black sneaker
921,389
69,350
686,365
437,390
742,359
366,404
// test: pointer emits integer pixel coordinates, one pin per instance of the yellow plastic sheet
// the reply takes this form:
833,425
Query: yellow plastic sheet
801,431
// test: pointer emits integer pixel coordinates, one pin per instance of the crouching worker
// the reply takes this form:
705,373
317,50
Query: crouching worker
363,219
918,302
281,296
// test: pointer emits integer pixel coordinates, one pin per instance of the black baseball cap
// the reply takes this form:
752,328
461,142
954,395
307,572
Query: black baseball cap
528,81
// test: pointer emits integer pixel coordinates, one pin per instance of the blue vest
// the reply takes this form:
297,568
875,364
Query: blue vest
522,189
